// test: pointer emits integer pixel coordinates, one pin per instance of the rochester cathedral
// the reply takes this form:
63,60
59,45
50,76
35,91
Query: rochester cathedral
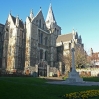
34,46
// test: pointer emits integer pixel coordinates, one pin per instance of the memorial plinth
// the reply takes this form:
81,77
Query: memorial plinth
73,75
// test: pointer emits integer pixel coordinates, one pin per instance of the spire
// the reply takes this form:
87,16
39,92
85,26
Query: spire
91,51
17,21
50,16
73,31
10,12
31,14
40,8
79,36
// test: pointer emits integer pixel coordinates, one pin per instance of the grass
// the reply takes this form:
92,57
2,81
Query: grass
36,88
96,79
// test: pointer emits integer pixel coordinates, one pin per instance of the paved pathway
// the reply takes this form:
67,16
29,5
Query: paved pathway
84,83
60,81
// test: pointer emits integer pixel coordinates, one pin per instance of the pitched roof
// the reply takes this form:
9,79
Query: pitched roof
2,24
1,27
20,22
64,38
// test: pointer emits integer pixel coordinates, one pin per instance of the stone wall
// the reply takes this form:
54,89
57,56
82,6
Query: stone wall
53,71
88,72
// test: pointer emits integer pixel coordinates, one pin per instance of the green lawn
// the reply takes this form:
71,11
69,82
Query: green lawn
36,88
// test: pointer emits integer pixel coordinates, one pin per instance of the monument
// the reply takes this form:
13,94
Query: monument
73,75
74,78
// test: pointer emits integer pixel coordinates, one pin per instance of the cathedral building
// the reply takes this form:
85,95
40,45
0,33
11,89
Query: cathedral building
64,44
30,43
34,46
41,38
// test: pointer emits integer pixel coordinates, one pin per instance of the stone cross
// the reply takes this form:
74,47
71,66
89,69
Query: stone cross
73,60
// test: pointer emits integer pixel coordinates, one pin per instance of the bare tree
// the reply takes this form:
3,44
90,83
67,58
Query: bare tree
66,60
89,62
80,59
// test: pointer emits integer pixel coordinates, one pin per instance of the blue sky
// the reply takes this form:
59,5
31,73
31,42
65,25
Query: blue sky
82,15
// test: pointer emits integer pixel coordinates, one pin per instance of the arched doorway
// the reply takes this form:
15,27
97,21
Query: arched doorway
42,69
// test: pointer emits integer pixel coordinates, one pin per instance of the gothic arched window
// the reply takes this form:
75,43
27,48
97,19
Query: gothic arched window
41,38
46,40
46,54
39,35
37,22
41,54
40,23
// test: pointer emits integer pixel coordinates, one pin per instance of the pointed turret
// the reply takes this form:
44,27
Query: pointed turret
10,12
17,21
73,32
79,36
91,51
31,14
50,16
9,16
80,39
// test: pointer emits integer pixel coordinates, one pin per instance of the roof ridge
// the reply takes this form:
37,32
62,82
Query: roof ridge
64,34
38,13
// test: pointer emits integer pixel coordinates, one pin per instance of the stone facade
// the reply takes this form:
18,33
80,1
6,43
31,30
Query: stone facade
41,38
34,46
1,43
28,44
65,43
14,44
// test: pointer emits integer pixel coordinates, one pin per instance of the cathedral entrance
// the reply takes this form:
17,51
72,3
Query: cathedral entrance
42,69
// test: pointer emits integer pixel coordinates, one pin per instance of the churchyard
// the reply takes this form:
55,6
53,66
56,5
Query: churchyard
37,88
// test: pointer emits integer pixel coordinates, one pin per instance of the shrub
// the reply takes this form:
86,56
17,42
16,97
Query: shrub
82,94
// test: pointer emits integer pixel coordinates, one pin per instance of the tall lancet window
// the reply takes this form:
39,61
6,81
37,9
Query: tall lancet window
46,40
46,54
40,23
41,54
41,38
37,22
39,35
43,26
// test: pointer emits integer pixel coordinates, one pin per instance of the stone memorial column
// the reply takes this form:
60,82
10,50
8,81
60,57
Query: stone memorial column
73,75
73,60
